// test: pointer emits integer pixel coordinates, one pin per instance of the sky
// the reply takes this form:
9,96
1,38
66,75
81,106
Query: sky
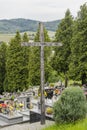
42,10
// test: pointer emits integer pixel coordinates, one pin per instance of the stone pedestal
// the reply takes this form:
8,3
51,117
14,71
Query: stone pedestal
11,119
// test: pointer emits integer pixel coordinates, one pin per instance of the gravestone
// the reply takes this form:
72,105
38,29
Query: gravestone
25,100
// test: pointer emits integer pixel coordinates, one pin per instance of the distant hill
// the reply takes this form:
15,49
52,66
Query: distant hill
12,25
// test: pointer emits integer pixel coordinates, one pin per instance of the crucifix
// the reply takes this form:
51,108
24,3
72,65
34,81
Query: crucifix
42,44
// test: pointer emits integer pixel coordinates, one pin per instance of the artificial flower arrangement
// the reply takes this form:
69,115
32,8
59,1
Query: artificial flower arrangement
21,105
49,110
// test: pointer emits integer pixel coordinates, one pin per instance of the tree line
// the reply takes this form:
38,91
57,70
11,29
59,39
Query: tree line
20,66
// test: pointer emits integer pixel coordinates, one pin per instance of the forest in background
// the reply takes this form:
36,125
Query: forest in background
23,25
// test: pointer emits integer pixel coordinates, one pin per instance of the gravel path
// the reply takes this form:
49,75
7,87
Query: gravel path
28,126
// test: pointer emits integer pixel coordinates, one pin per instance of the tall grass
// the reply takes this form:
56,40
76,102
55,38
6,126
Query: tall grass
81,125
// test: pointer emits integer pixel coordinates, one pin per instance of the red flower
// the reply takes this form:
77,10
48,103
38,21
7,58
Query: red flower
4,105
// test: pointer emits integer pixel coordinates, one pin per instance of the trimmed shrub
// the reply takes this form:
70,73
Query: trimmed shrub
71,106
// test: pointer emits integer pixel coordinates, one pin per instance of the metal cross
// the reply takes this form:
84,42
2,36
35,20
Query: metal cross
41,44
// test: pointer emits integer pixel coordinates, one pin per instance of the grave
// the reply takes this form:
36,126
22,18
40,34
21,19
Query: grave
26,115
11,119
17,115
35,115
25,100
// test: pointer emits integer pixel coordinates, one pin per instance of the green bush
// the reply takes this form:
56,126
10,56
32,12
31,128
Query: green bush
71,106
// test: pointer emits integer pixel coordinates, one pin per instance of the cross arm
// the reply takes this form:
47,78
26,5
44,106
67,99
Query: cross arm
52,44
41,44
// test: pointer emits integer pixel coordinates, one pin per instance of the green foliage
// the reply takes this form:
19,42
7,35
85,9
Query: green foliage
78,65
3,49
81,125
53,77
25,37
71,106
51,85
16,66
12,97
34,66
70,60
46,36
34,61
61,59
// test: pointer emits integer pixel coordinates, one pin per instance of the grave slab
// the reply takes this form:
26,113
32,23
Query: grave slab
17,118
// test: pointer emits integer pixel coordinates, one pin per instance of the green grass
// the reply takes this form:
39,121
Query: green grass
81,125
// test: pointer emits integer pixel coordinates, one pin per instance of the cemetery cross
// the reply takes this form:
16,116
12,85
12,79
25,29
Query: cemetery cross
42,44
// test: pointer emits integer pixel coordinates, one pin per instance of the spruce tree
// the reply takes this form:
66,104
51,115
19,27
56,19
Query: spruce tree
61,57
16,76
26,57
25,37
78,66
3,50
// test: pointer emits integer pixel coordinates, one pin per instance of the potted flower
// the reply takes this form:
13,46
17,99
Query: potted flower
49,110
11,110
31,106
0,107
21,105
4,107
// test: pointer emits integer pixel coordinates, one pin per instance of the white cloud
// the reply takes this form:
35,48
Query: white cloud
38,9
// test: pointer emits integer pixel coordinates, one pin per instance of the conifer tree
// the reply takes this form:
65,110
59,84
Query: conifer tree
25,37
61,57
16,76
26,57
78,66
3,50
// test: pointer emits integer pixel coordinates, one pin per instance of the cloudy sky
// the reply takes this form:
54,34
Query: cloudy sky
43,10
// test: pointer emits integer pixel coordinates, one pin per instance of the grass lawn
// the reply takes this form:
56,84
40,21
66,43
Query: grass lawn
81,125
